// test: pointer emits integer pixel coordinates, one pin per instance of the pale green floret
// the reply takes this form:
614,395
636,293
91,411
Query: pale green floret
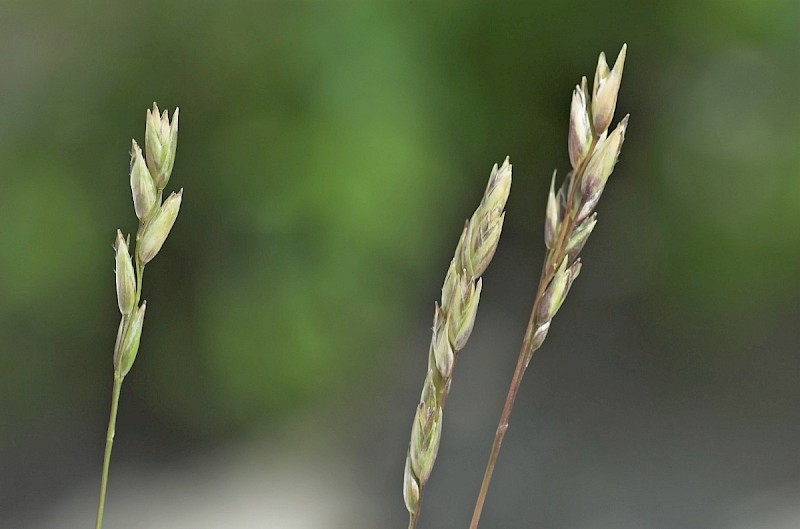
130,343
410,489
462,316
498,188
602,162
580,127
161,143
143,188
481,243
451,281
574,272
552,215
426,434
539,334
580,236
554,295
126,280
442,349
606,88
484,227
430,395
456,300
158,228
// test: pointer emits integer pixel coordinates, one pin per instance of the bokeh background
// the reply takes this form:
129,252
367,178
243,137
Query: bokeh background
329,153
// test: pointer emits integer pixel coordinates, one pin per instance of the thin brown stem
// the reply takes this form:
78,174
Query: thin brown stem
552,260
519,372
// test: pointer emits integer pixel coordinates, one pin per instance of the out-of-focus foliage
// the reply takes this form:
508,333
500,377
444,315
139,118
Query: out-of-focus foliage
329,153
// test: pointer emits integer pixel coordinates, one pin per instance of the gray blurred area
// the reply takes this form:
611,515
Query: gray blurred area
329,154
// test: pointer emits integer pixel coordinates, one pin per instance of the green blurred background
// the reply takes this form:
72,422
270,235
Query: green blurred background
329,154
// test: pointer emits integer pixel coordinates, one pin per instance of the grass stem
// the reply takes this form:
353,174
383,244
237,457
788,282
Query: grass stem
112,422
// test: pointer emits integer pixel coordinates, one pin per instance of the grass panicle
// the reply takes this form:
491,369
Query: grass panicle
569,220
453,319
148,178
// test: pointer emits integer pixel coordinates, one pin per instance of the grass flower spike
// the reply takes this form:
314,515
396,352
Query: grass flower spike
452,325
148,179
569,220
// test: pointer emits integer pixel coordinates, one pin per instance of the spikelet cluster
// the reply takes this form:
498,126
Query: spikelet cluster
149,175
453,320
570,217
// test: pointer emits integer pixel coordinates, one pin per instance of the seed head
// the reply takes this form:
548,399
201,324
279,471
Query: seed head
452,325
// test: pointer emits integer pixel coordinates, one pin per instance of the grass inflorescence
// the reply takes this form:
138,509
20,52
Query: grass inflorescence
149,175
569,221
453,320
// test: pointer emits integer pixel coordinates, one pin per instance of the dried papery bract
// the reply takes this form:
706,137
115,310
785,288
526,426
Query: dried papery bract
569,221
147,180
453,320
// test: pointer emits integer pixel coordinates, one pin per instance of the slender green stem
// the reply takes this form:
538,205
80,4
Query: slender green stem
552,260
112,422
